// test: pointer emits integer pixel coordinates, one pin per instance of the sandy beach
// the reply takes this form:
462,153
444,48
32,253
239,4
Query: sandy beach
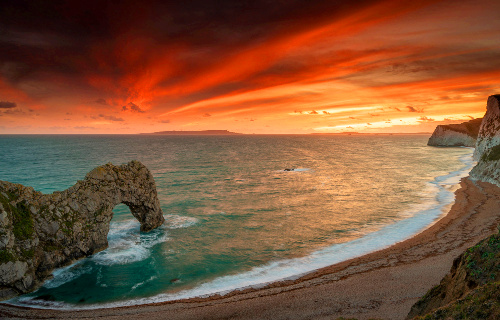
383,284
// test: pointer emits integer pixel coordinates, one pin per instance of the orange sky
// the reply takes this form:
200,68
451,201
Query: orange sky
300,67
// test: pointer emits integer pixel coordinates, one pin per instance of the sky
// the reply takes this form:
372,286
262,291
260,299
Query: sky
260,66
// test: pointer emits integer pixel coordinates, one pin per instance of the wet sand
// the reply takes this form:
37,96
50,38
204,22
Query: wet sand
383,284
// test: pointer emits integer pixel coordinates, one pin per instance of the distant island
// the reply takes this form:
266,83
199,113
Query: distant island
192,133
365,133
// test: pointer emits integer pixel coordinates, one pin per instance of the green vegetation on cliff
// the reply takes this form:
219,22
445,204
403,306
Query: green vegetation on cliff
481,303
20,214
492,154
6,256
470,291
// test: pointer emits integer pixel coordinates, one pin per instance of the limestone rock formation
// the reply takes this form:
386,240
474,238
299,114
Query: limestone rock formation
453,135
40,232
489,132
488,167
487,151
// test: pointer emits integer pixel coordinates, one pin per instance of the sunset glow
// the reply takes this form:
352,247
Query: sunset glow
262,67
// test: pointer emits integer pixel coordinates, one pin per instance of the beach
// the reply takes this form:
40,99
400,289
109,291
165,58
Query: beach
383,284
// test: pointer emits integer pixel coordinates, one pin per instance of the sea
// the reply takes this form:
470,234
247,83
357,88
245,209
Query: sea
241,211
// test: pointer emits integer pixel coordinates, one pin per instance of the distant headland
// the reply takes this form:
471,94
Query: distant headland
193,133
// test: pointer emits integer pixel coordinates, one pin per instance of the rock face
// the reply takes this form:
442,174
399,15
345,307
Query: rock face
467,288
489,132
40,232
454,135
487,151
470,289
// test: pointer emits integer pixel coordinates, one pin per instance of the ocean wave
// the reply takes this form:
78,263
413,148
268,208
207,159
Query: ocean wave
127,244
173,221
418,219
124,236
66,274
144,282
121,252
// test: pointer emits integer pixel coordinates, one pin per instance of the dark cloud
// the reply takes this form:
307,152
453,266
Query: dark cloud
206,115
164,121
133,107
110,118
101,101
7,105
425,119
413,109
99,43
313,112
417,66
14,112
83,127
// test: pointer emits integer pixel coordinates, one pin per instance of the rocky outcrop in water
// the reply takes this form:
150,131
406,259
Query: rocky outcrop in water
454,135
41,232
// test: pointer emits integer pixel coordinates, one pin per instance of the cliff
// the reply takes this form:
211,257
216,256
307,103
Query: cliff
41,232
487,152
470,290
489,133
463,134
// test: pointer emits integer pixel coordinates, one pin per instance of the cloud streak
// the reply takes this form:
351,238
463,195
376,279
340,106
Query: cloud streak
7,105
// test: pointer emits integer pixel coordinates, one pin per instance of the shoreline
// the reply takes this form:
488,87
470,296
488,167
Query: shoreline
382,284
427,212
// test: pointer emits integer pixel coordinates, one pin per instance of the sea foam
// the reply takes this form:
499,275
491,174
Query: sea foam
419,217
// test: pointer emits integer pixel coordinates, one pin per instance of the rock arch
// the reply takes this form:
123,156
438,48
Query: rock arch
40,232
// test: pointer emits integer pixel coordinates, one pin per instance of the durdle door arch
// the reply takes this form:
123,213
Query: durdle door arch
41,232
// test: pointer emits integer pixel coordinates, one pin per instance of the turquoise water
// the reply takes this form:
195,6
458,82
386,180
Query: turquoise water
234,217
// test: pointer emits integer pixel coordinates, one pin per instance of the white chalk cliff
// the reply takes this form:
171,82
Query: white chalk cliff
489,131
455,135
487,152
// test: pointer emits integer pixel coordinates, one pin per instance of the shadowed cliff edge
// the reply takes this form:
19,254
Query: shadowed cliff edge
40,232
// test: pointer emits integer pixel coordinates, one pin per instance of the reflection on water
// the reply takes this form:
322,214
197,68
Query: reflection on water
231,208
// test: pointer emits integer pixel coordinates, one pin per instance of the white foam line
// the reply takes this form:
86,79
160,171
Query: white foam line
291,269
